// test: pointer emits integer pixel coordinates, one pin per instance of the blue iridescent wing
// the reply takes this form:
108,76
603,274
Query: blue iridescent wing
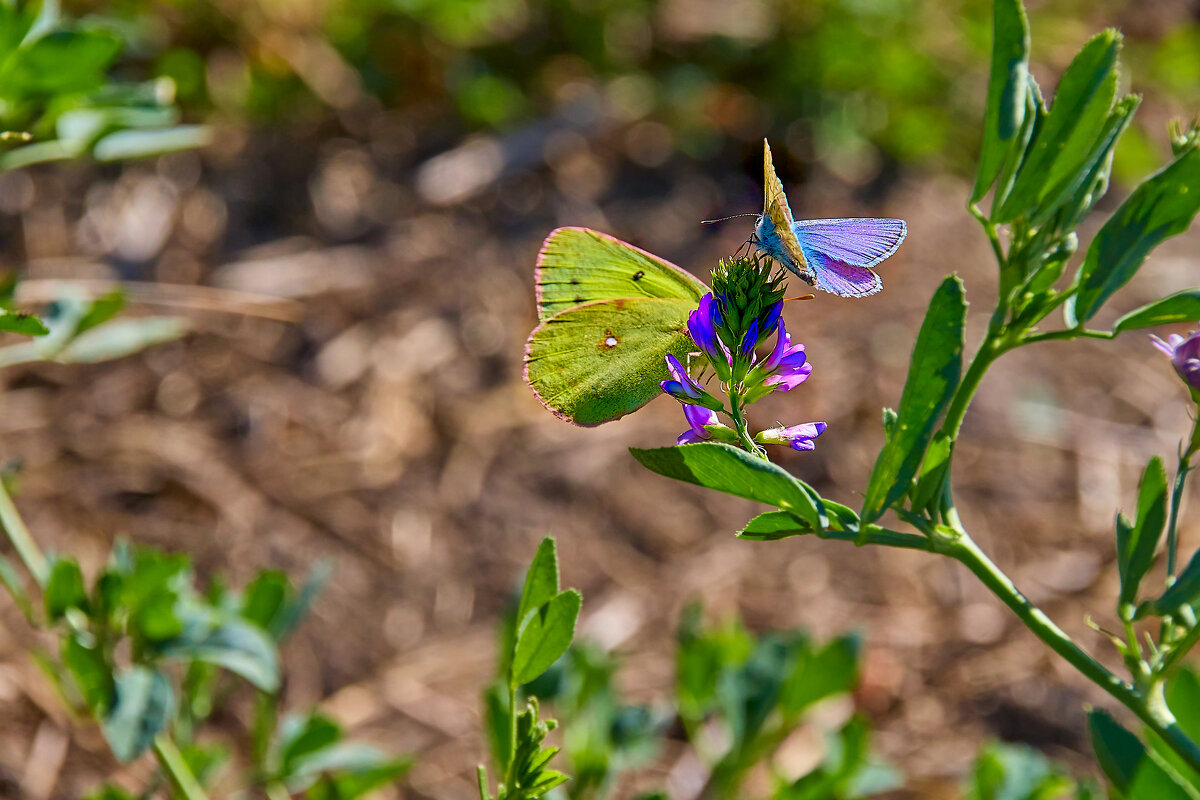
841,252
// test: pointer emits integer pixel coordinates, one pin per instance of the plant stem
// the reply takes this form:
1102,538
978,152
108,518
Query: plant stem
1067,335
874,534
22,542
736,411
1153,713
989,351
1185,465
176,768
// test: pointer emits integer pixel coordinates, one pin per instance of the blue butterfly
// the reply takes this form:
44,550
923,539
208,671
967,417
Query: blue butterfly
834,255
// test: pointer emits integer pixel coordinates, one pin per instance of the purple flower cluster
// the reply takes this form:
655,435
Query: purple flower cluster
1184,353
744,376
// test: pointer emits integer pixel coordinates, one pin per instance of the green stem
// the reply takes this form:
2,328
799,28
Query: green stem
874,534
1154,714
1067,335
737,412
1185,465
989,351
176,768
512,732
22,542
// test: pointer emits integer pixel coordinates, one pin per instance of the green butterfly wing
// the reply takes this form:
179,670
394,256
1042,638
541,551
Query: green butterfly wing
579,265
599,361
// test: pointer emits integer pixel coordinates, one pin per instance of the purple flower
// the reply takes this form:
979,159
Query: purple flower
798,437
1184,354
783,370
749,341
684,388
697,417
702,325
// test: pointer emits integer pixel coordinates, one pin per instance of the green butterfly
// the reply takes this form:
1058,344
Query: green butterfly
609,314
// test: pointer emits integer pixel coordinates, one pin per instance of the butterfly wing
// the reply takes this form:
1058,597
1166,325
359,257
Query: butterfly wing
579,265
599,361
774,231
841,252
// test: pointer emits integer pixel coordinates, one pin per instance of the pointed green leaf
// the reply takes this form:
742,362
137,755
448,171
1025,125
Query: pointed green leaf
1162,206
92,674
541,582
545,636
1180,307
64,589
26,324
1007,90
774,525
729,469
1076,121
1136,544
1184,591
1135,771
933,472
143,702
933,376
235,644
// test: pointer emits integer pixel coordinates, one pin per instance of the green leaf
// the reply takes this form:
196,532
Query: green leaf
301,735
1180,307
729,469
239,646
1184,591
92,674
933,472
101,310
1135,771
822,673
264,597
933,376
1136,543
1183,699
61,62
1061,146
774,525
544,636
1007,90
297,607
64,589
541,581
1162,206
498,725
25,324
142,705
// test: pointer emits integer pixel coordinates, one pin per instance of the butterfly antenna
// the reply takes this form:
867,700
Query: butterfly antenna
722,219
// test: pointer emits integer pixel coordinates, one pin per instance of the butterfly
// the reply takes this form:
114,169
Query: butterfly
834,255
609,313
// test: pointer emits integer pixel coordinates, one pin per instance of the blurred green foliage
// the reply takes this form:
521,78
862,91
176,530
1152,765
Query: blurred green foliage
853,84
57,100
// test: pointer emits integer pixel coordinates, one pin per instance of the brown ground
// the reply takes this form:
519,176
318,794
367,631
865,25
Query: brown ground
388,429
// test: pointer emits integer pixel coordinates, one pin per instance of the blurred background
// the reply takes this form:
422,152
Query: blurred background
386,170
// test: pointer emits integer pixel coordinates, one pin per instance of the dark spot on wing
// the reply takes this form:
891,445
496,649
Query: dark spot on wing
609,341
573,282
641,273
578,299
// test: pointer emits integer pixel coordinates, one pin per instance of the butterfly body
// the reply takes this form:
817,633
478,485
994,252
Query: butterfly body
834,255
